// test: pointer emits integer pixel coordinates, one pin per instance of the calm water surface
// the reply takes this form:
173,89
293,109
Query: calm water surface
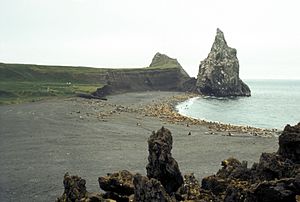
273,104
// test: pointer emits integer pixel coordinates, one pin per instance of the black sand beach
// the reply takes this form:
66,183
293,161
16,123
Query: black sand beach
42,141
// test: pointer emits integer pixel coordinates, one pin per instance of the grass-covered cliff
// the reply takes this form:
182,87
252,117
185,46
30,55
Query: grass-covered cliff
26,83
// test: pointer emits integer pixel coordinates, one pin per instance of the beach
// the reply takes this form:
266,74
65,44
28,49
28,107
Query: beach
41,141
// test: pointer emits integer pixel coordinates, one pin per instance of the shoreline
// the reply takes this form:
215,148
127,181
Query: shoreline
166,109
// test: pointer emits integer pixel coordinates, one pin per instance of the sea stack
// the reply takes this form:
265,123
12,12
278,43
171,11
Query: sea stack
219,73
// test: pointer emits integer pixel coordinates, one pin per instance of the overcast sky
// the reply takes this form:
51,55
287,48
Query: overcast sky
111,33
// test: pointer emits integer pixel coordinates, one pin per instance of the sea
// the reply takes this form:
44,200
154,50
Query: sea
272,105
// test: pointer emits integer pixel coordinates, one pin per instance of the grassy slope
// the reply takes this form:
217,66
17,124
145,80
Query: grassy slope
25,83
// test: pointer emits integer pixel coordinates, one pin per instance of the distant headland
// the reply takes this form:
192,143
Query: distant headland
218,76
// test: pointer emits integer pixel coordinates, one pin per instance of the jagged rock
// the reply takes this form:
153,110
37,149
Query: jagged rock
272,166
149,190
116,197
289,143
231,171
120,183
96,197
190,190
233,168
75,189
162,166
275,177
219,73
215,184
276,191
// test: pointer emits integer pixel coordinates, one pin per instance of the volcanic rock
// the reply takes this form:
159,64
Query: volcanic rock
276,177
74,189
146,190
120,182
219,73
282,190
190,190
272,166
162,166
289,143
118,186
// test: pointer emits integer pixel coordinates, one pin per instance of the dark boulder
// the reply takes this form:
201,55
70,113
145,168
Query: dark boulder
162,166
233,168
190,190
103,91
149,190
276,191
75,190
120,183
289,143
272,166
219,73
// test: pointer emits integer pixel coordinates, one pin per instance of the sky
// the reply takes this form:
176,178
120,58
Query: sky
127,34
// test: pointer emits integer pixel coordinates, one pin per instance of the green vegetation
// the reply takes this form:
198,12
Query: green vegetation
28,83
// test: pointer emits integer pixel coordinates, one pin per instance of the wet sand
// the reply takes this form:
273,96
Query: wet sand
43,140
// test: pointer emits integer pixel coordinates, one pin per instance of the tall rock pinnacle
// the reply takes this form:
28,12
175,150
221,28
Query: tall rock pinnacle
219,73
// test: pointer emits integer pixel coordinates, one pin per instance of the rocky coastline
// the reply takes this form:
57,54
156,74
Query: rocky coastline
276,177
166,111
218,75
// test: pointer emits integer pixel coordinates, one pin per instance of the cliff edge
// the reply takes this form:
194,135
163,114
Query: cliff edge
219,73
164,73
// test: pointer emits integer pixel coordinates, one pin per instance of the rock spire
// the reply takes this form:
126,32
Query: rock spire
219,73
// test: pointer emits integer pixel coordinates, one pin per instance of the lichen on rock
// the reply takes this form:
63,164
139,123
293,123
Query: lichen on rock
219,73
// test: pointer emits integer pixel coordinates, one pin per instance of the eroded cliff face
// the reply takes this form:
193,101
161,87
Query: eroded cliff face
164,73
219,73
162,60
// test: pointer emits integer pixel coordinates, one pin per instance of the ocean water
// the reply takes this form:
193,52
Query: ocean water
273,104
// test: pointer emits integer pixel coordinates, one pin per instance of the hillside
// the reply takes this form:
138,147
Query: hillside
26,82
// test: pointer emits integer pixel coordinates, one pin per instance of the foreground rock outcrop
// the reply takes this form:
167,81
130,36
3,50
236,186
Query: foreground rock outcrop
219,73
118,186
162,166
75,190
146,189
289,143
275,178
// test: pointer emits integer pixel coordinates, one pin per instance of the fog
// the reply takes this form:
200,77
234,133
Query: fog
102,33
